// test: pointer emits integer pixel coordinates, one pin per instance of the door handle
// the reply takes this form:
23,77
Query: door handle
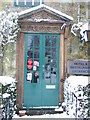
43,66
43,75
43,70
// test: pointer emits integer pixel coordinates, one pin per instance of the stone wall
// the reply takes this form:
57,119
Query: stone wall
70,9
3,3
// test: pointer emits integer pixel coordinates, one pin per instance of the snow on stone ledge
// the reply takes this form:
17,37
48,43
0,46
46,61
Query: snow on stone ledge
60,116
5,80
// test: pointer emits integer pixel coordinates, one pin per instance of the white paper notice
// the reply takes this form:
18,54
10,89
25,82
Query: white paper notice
50,86
29,76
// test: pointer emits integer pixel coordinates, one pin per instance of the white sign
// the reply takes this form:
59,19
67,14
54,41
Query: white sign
34,68
50,86
29,76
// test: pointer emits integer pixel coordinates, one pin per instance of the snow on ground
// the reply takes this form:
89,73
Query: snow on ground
61,115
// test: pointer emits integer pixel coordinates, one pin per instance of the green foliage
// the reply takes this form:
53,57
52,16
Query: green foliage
5,88
87,100
76,49
11,90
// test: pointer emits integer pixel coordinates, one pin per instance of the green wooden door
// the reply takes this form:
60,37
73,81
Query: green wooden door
41,78
50,70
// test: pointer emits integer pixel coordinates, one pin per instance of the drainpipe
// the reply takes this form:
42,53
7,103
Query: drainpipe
78,7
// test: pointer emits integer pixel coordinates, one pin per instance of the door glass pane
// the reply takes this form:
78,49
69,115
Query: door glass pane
50,59
36,53
30,48
54,41
33,58
30,42
47,41
47,53
47,76
54,53
47,69
36,41
30,54
53,71
47,58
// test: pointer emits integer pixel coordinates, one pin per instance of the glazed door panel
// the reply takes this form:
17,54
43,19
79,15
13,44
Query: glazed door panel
50,70
32,77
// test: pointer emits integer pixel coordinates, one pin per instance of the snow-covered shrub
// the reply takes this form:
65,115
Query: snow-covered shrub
8,96
76,28
8,27
79,29
74,96
86,101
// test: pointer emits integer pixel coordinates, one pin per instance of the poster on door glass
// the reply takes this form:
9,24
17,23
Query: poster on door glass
29,76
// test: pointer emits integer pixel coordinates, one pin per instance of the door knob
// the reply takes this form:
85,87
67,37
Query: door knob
43,66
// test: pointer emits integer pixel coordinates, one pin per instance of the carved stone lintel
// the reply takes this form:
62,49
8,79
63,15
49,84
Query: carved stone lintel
42,28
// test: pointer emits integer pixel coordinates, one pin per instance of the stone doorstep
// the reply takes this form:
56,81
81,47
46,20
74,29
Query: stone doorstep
38,111
22,112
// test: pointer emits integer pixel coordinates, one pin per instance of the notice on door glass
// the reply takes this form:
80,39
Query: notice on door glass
29,76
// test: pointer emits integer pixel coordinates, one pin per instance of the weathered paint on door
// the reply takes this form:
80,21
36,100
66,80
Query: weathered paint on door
41,78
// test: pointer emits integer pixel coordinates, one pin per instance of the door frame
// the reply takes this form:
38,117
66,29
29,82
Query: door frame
25,62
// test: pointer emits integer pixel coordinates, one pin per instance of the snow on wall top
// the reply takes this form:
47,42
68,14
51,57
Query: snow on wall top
5,80
78,80
59,13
